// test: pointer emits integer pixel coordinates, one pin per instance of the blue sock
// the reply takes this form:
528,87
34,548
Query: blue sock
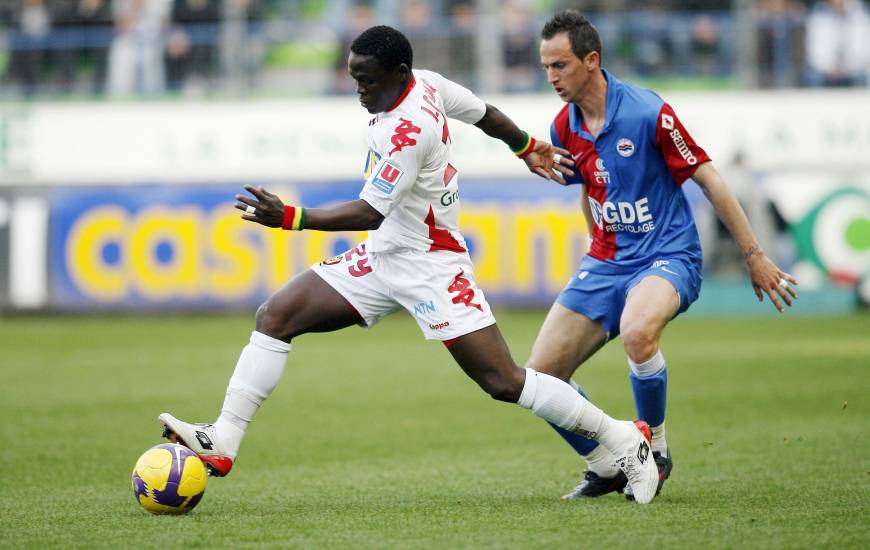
583,445
650,395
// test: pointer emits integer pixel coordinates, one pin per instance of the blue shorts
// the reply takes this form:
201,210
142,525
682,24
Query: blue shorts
598,289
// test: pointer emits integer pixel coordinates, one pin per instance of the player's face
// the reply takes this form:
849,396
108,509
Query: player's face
567,74
378,88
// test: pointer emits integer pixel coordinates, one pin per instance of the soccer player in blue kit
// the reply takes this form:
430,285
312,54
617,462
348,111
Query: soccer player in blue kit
631,154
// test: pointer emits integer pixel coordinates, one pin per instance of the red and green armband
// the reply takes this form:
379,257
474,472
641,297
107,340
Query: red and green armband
527,148
294,218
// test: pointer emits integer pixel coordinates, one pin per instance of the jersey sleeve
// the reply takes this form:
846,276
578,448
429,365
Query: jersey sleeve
459,102
395,173
557,142
682,155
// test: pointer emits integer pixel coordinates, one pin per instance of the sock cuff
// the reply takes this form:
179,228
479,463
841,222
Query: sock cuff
268,343
246,392
648,368
530,388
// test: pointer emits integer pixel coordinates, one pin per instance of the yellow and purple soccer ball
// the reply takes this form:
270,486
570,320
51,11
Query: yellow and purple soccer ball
169,479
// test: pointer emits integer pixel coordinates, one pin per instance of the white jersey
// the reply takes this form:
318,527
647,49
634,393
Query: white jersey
410,175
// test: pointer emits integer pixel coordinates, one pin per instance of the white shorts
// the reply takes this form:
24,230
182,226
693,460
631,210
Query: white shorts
436,288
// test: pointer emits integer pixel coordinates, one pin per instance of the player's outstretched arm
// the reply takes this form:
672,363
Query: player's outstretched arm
267,209
541,158
765,275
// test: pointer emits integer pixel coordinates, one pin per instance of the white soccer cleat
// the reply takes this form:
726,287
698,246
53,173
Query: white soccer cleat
201,439
636,460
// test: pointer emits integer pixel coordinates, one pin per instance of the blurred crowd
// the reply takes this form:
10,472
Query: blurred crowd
154,47
118,47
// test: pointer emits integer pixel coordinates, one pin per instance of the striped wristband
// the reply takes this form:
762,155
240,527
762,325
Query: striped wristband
294,218
527,148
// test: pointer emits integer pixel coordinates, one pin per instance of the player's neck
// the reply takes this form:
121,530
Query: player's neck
593,102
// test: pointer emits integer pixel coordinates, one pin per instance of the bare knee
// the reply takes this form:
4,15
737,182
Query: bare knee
639,340
274,322
504,385
562,371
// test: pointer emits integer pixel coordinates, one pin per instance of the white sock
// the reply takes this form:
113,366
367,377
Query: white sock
257,373
558,403
650,367
602,462
659,444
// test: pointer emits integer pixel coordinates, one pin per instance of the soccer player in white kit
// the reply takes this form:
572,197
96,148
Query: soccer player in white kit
414,258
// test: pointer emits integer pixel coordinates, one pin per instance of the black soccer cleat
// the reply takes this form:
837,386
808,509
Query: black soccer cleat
592,485
665,464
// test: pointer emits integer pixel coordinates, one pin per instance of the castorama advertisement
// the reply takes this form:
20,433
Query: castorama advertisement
175,247
81,229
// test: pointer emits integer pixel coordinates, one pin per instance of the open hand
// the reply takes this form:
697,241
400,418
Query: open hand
550,162
768,278
265,208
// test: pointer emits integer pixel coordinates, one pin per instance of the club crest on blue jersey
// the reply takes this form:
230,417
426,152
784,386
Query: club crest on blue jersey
387,177
625,147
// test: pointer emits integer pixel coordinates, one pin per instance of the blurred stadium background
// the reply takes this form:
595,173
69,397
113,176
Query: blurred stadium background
126,126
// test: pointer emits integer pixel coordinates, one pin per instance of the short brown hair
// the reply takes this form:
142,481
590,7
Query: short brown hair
581,33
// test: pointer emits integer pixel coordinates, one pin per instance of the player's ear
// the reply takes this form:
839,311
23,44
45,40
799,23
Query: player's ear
592,60
404,72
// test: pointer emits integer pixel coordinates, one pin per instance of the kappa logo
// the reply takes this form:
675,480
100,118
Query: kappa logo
204,440
387,177
625,147
402,137
464,291
667,122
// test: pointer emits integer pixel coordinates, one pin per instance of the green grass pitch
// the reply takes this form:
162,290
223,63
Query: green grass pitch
377,440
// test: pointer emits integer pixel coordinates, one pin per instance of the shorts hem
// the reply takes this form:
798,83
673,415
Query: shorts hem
460,333
363,323
670,282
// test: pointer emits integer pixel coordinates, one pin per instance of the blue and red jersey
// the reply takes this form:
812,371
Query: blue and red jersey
633,172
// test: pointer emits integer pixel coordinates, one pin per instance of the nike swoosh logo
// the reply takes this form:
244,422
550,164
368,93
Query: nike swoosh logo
577,156
666,270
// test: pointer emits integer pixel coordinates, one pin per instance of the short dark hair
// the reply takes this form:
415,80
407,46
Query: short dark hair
581,33
386,44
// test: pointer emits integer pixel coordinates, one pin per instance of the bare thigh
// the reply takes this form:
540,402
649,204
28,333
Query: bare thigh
566,340
305,304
